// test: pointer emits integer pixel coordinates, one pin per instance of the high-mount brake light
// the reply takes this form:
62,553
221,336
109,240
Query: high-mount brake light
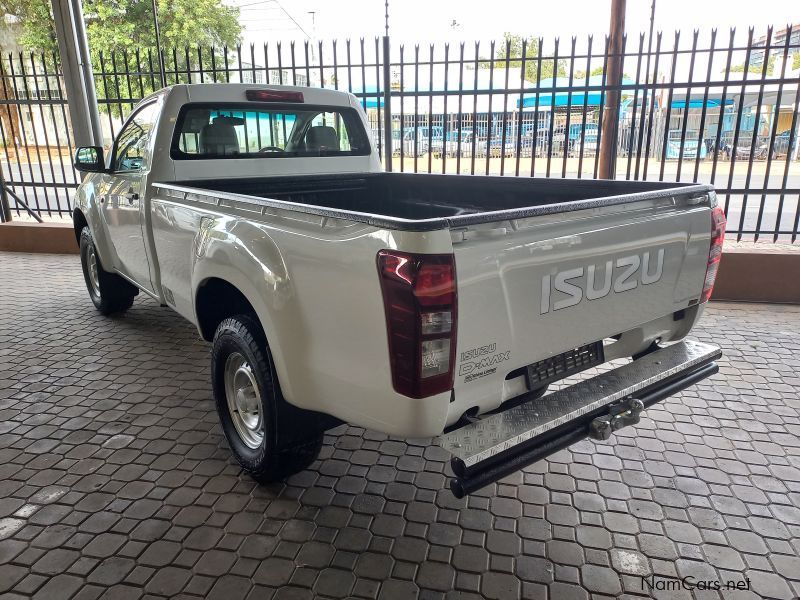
274,96
718,223
419,298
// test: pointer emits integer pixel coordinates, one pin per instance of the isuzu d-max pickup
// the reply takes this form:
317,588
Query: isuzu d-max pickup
413,304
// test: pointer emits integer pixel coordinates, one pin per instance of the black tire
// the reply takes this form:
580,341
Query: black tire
291,437
110,293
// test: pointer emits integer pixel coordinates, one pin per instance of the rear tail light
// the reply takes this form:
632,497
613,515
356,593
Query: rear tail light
419,297
718,223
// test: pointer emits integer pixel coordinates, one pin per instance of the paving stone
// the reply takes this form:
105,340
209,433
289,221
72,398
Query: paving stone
769,585
499,586
601,579
229,586
104,545
168,581
471,559
55,561
111,571
723,557
567,591
160,553
630,562
10,575
274,572
565,553
535,569
215,563
60,587
394,589
116,482
372,565
435,576
335,582
503,542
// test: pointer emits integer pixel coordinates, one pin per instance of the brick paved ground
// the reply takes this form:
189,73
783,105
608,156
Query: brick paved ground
116,482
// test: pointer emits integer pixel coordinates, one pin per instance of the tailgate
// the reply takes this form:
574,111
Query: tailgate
537,287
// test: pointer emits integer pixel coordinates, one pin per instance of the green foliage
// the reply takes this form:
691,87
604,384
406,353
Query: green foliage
581,74
513,44
127,24
757,68
796,61
121,32
35,20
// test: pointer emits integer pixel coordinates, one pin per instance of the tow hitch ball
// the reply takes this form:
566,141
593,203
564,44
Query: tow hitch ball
620,415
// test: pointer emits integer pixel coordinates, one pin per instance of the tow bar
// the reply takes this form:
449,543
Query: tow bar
497,445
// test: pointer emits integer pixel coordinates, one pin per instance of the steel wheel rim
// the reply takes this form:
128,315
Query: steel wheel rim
244,400
91,267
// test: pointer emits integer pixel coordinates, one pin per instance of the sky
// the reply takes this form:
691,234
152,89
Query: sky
424,21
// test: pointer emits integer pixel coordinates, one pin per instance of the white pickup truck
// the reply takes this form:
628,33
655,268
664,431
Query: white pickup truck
416,305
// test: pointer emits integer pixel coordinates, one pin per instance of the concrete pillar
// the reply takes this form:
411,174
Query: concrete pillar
76,68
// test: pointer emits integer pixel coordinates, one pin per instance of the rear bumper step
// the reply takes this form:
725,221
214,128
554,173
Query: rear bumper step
500,444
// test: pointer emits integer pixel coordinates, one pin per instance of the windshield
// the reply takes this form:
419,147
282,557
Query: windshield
267,131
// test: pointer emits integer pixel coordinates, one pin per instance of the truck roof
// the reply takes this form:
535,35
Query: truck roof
235,92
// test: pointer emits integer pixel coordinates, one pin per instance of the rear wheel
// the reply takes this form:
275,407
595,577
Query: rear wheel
268,437
109,292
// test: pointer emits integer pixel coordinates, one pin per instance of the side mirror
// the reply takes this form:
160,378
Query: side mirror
89,159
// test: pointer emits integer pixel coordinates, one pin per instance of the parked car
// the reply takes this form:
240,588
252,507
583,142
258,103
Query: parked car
565,142
498,147
586,147
464,145
780,146
528,144
745,146
692,145
332,292
415,143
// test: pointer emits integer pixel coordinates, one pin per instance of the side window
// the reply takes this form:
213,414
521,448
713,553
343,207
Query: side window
132,141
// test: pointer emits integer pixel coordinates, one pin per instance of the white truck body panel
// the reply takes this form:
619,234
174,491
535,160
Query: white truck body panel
325,320
312,277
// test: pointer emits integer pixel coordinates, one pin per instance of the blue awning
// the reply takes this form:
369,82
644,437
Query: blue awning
698,103
578,98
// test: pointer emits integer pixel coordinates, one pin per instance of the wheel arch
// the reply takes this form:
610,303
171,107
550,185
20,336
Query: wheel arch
217,299
218,296
78,223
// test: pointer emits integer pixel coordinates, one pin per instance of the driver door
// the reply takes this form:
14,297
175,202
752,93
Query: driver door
123,204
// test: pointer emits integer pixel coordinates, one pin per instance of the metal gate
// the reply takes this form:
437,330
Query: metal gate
693,109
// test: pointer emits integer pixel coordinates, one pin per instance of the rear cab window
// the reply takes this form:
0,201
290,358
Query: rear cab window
234,130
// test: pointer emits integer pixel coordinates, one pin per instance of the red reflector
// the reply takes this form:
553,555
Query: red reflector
273,96
422,344
718,223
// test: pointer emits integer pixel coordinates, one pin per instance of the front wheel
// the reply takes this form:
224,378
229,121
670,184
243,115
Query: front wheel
268,437
109,292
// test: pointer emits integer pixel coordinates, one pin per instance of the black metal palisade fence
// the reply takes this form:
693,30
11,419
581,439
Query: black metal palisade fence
709,107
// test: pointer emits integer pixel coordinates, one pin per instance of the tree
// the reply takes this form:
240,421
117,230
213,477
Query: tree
580,74
513,44
124,31
756,68
128,24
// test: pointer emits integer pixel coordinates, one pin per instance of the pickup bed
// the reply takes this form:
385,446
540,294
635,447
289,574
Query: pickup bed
417,305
